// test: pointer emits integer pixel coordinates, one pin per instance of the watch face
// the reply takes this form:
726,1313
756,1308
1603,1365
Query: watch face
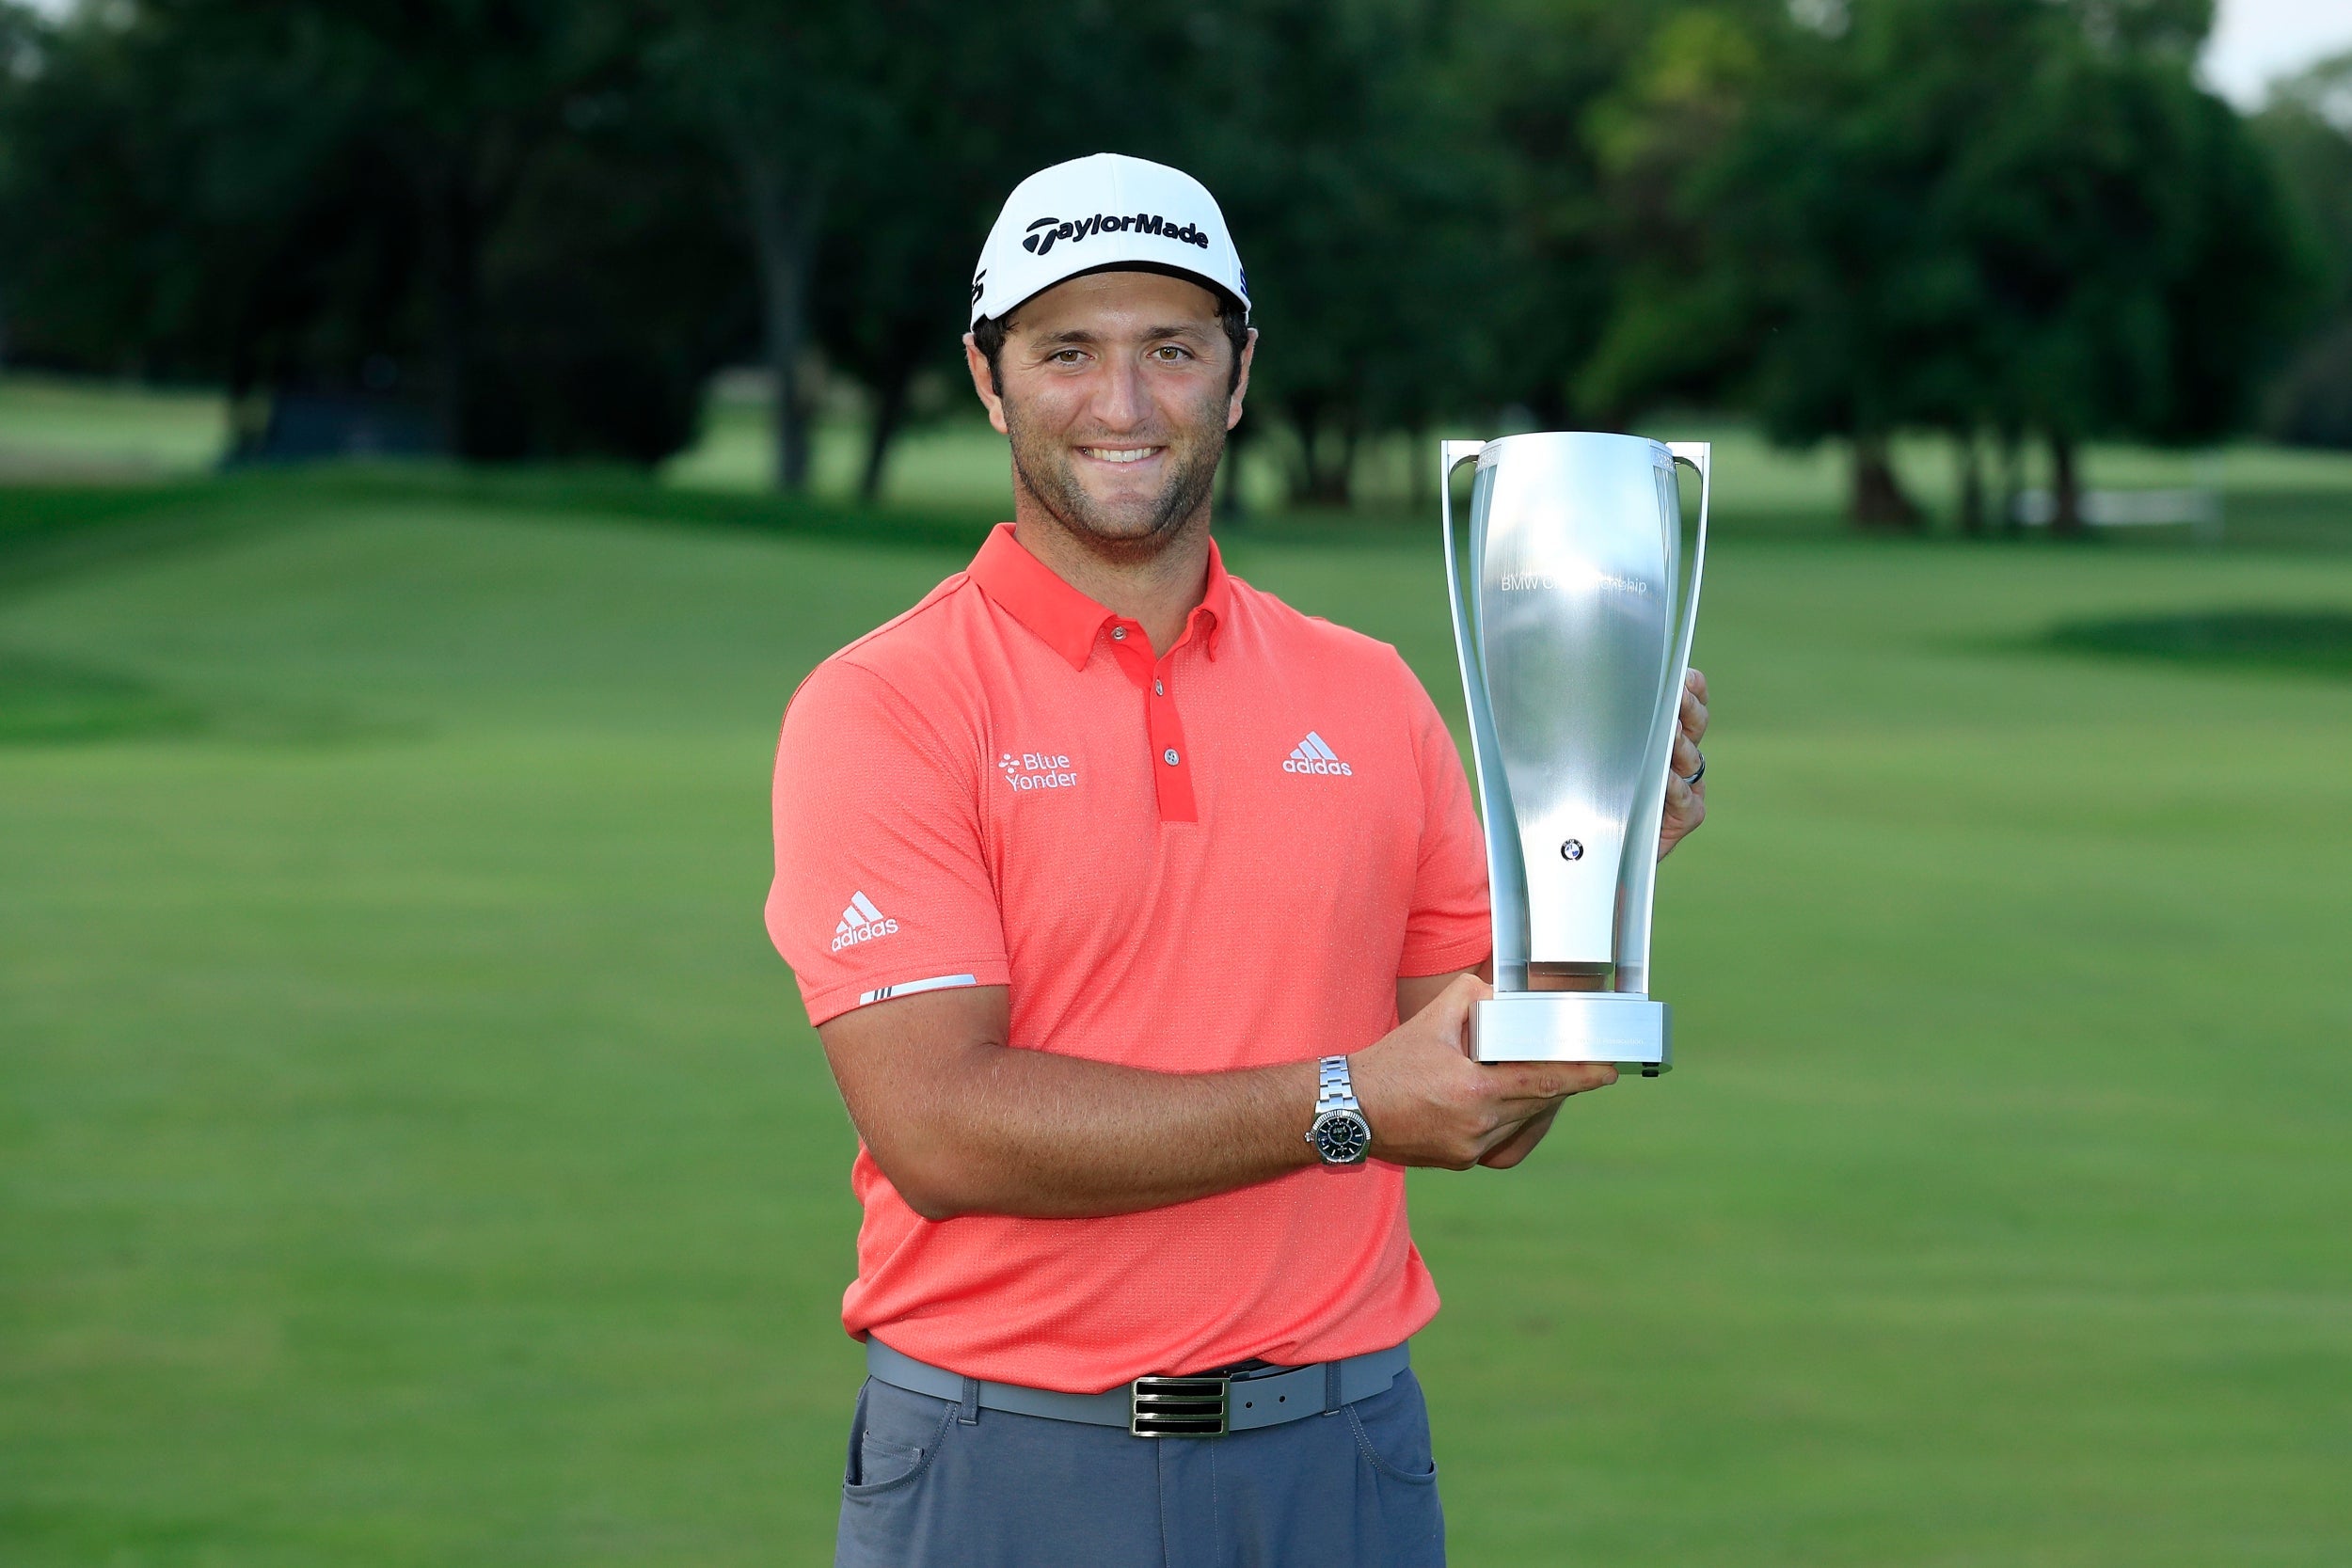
1341,1138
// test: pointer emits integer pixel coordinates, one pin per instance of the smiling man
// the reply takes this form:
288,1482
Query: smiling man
1139,916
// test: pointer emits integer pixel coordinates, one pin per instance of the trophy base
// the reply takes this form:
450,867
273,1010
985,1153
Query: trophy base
1631,1032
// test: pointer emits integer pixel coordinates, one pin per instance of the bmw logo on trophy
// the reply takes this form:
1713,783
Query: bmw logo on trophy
1573,622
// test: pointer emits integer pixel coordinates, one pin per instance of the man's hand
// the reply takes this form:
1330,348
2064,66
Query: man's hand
1429,1104
1686,801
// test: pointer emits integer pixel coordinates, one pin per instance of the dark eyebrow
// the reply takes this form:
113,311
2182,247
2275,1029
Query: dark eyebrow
1077,335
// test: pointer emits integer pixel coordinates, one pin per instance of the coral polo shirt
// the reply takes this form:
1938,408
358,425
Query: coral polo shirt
1221,857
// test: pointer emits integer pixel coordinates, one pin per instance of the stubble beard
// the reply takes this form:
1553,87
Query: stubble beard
1046,468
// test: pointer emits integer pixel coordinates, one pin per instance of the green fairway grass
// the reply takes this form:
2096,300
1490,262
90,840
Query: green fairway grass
63,428
411,1151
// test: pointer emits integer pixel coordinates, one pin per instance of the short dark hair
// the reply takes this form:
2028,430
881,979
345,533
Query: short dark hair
988,333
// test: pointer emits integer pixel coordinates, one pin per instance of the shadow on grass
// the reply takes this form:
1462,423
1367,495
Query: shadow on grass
2303,642
46,701
587,490
51,530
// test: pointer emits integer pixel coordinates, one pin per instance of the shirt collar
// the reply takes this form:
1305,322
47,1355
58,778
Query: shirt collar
1066,619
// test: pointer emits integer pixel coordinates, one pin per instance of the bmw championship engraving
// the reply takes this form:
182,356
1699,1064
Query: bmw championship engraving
1573,652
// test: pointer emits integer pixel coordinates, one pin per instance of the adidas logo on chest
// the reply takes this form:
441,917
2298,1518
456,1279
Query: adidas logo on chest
1314,755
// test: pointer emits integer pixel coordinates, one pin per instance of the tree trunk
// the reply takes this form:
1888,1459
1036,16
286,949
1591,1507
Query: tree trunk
453,265
1971,487
465,186
1343,480
2066,521
890,408
244,432
783,213
1319,480
2012,478
1879,501
1327,478
1306,414
1233,507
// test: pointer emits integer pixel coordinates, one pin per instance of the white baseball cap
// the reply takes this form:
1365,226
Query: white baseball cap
1094,213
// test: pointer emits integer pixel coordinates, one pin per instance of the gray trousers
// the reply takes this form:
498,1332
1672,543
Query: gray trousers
932,1482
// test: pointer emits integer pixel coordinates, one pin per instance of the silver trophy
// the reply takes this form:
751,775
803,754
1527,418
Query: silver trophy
1573,648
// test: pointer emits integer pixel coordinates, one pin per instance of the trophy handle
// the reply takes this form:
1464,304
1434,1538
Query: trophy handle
1699,455
1451,456
1506,873
1634,946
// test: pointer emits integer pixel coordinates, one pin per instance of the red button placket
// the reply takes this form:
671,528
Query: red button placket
1172,759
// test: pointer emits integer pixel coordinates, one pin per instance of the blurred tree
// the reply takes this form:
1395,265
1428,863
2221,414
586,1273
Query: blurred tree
1352,347
1856,217
1535,72
792,93
137,263
614,287
439,105
362,198
1341,148
995,94
2306,127
891,273
2140,263
1667,313
1958,215
23,39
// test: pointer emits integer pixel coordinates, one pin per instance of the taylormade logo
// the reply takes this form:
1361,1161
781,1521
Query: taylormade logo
1047,232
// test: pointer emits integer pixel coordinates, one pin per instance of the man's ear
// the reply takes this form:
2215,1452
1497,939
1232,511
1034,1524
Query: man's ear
1241,386
984,383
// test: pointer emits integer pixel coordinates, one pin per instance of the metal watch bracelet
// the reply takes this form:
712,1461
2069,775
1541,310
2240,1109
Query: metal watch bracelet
1336,1091
1339,1134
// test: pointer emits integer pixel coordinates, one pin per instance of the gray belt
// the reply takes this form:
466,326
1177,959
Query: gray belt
1204,1406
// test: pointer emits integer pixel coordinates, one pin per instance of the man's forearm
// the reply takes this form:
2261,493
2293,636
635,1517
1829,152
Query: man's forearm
1029,1132
964,1124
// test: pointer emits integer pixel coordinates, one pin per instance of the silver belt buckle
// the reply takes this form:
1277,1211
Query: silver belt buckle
1178,1406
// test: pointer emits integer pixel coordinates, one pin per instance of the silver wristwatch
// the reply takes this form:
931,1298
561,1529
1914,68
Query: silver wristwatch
1340,1135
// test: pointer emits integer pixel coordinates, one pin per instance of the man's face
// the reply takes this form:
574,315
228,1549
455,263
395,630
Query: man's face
1114,395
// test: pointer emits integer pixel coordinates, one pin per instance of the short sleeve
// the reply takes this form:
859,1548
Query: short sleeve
1451,926
880,886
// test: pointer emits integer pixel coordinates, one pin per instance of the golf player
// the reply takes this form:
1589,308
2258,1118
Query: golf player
1140,916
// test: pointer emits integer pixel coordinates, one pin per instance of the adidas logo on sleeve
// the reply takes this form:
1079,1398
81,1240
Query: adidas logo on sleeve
861,921
1314,755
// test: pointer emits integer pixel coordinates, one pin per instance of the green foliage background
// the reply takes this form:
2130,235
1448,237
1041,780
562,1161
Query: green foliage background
540,226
